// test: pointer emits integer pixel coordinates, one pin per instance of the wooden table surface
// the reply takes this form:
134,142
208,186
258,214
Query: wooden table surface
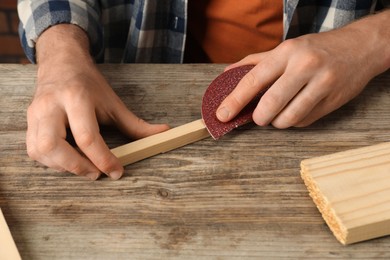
241,196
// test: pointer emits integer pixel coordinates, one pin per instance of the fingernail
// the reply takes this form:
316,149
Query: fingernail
92,175
115,175
223,114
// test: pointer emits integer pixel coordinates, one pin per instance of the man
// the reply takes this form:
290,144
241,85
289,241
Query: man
310,75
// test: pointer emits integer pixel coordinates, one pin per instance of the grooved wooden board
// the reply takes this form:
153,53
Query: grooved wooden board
352,191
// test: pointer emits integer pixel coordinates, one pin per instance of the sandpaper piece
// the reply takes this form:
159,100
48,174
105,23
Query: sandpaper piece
218,90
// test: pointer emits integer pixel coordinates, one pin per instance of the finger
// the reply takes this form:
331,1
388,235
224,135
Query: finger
252,59
32,143
31,133
256,80
324,107
316,113
85,129
45,144
300,106
134,126
58,154
276,98
70,160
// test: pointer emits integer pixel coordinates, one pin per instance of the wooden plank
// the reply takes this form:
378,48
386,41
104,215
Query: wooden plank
162,142
352,191
8,250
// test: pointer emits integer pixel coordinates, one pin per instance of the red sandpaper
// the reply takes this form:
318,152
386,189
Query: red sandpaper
218,90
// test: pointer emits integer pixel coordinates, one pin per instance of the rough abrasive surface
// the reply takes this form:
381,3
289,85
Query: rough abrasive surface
218,90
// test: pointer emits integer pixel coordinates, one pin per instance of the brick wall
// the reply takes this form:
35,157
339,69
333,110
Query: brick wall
10,48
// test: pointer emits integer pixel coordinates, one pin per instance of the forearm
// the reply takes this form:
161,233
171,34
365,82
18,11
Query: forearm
375,38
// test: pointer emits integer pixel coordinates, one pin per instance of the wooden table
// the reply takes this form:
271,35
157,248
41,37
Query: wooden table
241,196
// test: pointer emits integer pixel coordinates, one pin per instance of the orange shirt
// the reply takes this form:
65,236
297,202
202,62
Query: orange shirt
225,31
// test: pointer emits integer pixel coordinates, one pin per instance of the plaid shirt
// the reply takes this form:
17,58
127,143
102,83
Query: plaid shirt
155,30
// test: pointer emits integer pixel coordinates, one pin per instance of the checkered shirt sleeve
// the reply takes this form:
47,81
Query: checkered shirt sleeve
309,16
38,15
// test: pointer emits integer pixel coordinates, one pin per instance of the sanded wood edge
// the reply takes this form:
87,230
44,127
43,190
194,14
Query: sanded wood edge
8,249
373,159
324,207
161,142
343,235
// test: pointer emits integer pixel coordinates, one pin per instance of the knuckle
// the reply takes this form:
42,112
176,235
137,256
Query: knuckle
75,168
236,101
248,84
328,78
309,57
251,57
32,152
250,80
46,145
141,122
270,100
291,118
286,119
312,59
308,101
43,102
289,45
85,139
143,128
72,92
31,111
30,146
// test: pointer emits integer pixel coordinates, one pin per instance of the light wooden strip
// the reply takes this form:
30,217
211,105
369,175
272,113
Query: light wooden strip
162,142
358,155
8,250
352,191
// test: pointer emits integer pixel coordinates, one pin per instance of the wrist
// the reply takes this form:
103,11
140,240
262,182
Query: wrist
376,33
386,19
60,50
382,39
62,43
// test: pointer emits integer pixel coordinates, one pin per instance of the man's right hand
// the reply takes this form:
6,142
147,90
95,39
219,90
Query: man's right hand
71,92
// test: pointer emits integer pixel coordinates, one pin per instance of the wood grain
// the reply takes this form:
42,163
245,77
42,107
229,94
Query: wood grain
239,197
352,191
161,142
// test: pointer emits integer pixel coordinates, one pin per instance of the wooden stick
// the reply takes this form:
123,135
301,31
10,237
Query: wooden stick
352,191
8,250
162,142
